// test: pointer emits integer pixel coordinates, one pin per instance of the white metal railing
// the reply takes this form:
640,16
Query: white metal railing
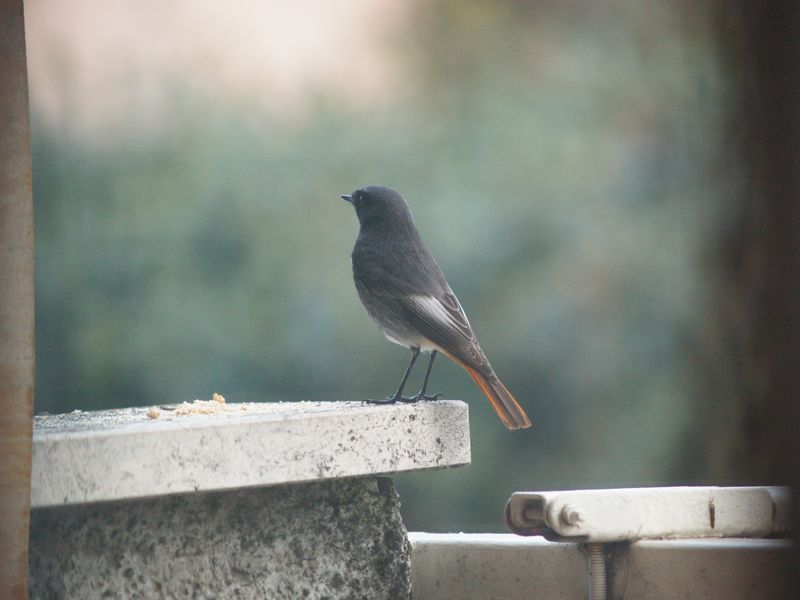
597,517
650,543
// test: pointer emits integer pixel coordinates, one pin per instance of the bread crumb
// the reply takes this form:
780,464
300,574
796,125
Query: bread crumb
153,412
209,407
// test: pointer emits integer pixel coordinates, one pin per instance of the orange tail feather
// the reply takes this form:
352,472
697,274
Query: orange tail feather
505,405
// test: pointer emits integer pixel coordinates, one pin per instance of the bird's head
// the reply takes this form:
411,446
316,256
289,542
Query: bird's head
377,205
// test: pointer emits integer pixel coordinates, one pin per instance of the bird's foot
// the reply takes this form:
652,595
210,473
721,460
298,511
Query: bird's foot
390,400
419,397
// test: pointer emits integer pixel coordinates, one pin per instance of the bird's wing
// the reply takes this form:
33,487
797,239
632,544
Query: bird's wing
442,321
423,299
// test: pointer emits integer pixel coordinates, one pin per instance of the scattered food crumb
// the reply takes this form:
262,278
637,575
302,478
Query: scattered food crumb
208,407
153,412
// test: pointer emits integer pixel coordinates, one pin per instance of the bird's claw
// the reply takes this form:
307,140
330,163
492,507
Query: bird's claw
388,400
404,399
419,397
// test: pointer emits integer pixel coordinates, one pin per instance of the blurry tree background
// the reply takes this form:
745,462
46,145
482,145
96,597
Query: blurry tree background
565,161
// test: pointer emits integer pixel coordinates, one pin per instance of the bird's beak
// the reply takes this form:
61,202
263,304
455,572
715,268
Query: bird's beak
347,198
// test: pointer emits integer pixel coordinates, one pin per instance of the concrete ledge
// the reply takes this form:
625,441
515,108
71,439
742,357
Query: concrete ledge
122,454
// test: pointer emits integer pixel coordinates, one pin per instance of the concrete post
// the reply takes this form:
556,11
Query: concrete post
216,500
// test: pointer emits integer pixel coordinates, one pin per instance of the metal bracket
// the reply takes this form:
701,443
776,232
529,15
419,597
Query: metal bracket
617,515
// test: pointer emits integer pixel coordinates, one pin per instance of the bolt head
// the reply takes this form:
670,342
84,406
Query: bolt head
570,516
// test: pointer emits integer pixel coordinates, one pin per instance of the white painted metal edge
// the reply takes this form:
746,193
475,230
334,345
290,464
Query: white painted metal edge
471,566
481,566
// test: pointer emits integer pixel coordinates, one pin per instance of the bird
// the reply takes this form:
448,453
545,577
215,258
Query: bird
407,296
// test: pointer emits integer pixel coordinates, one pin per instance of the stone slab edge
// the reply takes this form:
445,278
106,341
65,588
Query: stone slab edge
104,456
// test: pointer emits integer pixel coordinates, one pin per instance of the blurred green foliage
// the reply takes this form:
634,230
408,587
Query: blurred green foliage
559,159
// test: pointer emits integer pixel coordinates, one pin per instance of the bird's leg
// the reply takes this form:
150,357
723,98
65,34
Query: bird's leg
398,395
421,395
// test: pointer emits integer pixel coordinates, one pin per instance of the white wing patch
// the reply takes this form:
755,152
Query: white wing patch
434,308
450,317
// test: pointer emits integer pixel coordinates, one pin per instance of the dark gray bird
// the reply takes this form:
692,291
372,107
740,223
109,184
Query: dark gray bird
408,298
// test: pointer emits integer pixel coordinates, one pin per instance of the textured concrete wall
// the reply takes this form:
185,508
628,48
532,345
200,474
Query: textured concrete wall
333,539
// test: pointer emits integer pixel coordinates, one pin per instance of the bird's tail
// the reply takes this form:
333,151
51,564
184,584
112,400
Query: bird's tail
505,405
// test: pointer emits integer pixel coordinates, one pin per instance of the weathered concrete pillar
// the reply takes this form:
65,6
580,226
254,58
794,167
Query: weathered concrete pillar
178,506
336,539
